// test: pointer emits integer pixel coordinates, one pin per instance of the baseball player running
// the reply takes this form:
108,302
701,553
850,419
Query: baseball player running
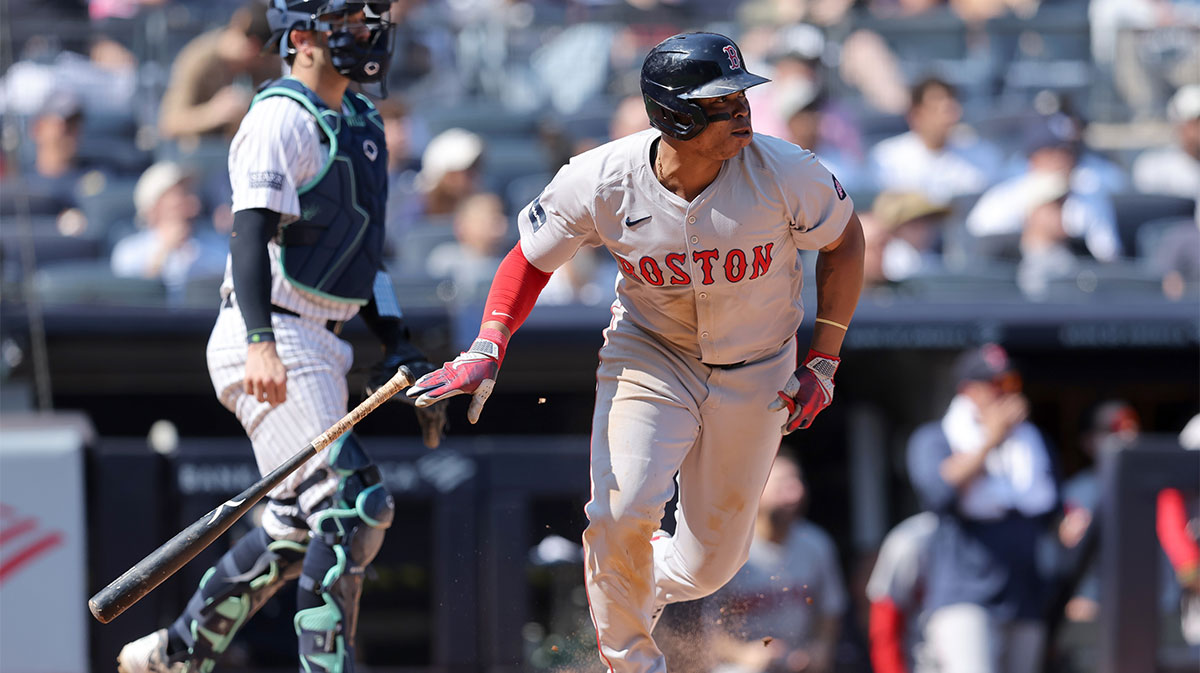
698,373
308,168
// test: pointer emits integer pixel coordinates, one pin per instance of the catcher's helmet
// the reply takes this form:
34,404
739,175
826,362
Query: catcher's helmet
365,61
685,67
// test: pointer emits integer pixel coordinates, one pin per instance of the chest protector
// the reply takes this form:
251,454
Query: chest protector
336,247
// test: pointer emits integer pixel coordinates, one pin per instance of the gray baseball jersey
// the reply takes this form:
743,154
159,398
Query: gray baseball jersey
702,335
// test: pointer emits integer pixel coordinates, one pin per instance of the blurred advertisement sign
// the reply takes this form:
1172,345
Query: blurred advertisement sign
43,592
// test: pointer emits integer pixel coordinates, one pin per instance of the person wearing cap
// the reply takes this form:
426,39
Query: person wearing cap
50,179
1012,207
449,174
1111,426
987,473
935,156
912,224
829,134
1175,170
168,246
213,76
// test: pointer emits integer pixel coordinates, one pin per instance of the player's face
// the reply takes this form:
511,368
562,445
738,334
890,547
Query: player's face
724,139
354,23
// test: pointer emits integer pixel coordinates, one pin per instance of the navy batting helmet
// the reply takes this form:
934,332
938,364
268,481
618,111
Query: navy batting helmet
361,61
685,67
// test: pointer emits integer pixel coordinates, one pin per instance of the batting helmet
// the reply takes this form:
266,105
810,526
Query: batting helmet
365,61
685,67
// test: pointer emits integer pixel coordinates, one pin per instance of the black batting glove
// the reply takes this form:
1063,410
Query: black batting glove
404,355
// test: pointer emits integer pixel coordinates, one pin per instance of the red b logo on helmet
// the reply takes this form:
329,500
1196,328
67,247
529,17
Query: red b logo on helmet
734,61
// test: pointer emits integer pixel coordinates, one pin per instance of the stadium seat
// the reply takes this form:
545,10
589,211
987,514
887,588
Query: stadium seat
202,293
120,155
485,118
418,243
1151,232
522,190
49,246
106,200
994,282
1103,283
1134,209
94,283
414,290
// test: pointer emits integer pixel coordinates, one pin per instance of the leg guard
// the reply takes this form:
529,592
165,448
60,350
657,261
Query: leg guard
230,593
347,534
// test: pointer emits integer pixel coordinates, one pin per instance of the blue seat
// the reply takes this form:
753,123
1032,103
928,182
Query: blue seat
93,283
1134,209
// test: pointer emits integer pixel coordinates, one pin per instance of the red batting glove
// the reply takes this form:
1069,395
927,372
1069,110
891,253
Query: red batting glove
807,391
473,372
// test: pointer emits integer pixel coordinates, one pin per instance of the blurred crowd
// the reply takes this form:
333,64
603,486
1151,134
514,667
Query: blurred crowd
995,570
1039,150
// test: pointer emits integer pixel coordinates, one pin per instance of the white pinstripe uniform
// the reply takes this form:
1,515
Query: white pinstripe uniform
715,281
276,151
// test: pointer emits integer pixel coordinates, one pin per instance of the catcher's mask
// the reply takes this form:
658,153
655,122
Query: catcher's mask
360,60
686,67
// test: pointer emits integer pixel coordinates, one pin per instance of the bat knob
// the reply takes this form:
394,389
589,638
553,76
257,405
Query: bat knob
98,613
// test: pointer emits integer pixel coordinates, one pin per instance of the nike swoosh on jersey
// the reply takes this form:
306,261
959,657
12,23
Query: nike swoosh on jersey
630,223
494,312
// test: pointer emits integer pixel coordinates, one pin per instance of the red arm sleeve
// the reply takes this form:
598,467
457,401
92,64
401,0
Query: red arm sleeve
887,638
510,300
1172,523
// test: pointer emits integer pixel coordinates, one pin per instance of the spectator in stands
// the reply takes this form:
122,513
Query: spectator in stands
1177,258
936,156
914,226
1093,171
1112,426
1177,533
895,589
628,118
987,474
809,125
169,246
403,162
213,77
48,186
1148,47
869,65
55,134
1175,170
589,278
450,168
1045,248
1048,197
876,237
481,240
783,609
796,73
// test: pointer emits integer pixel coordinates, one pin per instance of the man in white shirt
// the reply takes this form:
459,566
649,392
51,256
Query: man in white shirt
1087,212
1175,170
936,156
168,247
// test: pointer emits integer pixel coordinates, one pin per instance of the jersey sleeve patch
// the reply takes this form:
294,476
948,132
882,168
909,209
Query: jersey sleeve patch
537,214
838,187
266,180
